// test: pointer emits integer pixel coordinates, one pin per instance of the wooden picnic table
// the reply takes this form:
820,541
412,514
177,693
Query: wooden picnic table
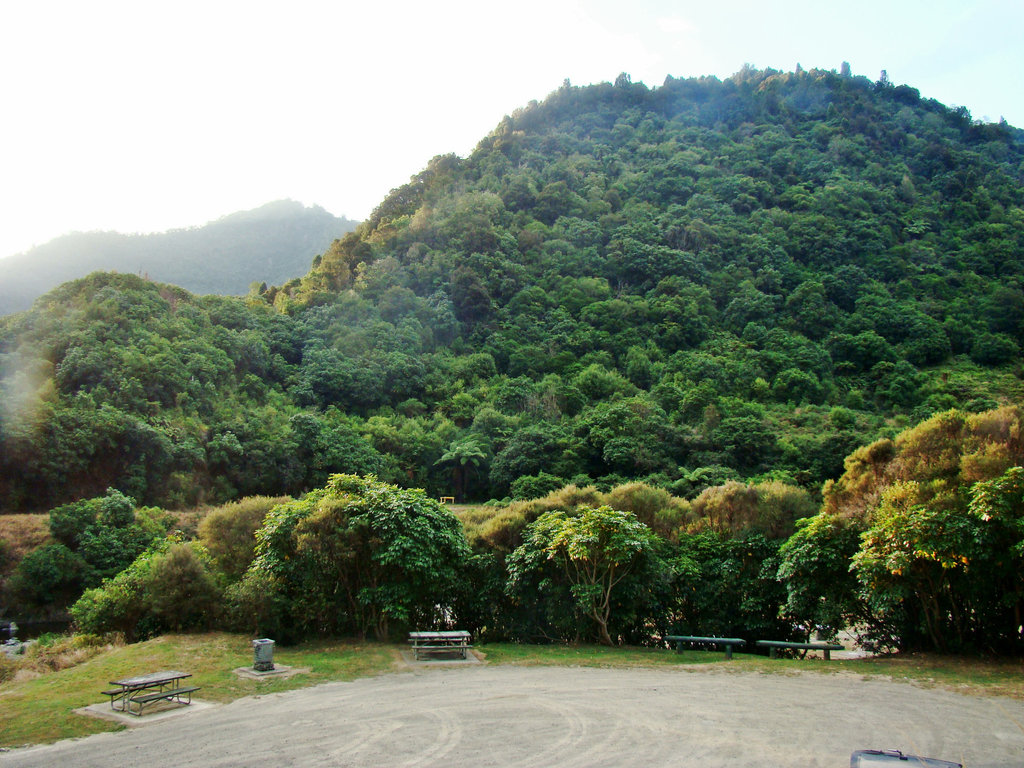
429,643
146,689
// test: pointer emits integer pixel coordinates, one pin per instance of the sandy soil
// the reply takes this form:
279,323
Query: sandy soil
477,715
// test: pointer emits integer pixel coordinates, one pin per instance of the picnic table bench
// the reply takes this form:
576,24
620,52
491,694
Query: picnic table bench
774,646
442,643
728,642
133,694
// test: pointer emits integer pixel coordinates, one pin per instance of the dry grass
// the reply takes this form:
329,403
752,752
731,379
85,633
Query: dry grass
21,534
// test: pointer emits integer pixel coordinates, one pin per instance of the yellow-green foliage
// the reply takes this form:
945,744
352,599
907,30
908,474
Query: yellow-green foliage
943,454
499,530
772,508
228,532
662,512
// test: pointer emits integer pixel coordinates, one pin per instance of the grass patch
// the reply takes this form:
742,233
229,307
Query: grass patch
972,676
39,707
978,677
593,656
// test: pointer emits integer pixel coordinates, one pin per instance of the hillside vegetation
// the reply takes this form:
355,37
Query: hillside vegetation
702,282
272,243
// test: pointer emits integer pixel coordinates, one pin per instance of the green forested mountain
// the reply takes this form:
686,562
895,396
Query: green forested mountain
272,243
707,280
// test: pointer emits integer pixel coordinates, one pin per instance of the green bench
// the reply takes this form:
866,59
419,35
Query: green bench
775,645
728,642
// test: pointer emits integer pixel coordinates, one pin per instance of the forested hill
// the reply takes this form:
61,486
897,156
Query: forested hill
272,243
707,280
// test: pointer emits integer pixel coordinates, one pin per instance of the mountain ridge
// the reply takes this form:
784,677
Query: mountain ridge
702,282
271,243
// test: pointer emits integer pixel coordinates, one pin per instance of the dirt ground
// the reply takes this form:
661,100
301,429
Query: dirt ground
477,715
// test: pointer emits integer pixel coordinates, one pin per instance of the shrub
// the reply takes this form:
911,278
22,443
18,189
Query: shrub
994,349
590,563
180,591
359,554
726,586
116,606
229,533
168,587
500,533
654,507
821,591
535,486
51,575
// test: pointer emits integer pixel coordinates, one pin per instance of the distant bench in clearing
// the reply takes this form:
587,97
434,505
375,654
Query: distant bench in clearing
728,642
774,646
439,643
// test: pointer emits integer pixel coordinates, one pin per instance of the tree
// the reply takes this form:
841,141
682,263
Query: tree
912,565
726,586
821,591
52,575
464,455
229,533
359,554
595,550
529,451
181,593
999,505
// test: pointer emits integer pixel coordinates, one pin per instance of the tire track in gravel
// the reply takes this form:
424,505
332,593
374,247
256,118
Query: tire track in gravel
512,717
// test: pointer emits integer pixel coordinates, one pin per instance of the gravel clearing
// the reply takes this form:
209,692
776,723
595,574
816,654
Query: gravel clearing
479,715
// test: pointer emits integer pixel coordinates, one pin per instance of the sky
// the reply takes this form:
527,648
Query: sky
146,116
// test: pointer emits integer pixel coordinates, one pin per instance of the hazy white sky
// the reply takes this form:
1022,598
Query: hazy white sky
143,116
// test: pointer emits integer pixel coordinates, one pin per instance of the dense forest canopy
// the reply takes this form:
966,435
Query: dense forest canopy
272,243
701,282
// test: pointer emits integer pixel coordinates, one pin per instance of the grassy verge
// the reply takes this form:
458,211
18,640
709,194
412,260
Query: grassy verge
978,677
591,656
38,707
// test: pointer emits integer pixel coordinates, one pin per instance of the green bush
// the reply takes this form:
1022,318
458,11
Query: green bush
180,591
994,349
655,507
167,588
229,533
360,555
52,575
821,591
726,586
118,605
589,569
535,486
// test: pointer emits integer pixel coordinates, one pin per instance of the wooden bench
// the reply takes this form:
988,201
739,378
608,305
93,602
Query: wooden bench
774,646
728,642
